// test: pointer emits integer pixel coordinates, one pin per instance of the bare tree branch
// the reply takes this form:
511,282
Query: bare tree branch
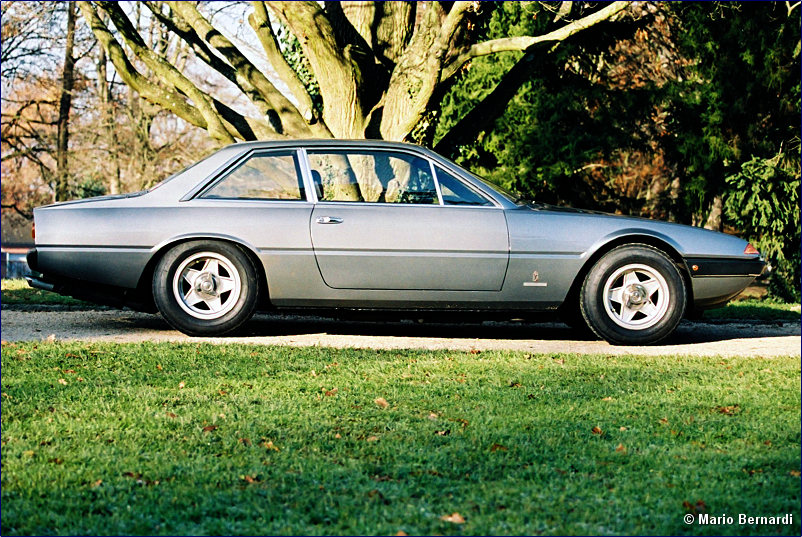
260,22
252,81
167,73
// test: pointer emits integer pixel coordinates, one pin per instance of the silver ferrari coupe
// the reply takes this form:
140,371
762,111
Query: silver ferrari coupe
339,226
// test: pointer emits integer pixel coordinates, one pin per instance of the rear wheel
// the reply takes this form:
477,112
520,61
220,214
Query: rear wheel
205,288
634,295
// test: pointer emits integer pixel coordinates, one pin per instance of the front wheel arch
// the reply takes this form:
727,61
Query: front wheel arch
569,310
634,295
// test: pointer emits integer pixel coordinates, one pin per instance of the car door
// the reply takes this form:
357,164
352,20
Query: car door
380,224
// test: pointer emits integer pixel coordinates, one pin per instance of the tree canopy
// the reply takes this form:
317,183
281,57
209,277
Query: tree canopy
378,66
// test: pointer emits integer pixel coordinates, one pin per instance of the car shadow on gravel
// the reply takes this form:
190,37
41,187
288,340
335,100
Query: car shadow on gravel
688,332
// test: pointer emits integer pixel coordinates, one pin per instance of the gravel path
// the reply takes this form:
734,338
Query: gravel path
741,338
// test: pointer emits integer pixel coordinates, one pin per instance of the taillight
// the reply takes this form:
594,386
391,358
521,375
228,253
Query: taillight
750,250
33,231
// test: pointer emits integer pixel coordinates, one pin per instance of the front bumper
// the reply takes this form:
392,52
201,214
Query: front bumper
717,280
700,267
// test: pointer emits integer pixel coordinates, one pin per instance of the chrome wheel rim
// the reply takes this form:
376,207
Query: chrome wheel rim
206,285
636,297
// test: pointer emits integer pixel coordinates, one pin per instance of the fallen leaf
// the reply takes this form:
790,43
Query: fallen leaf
794,473
80,379
432,416
334,364
222,392
607,399
245,441
97,483
171,415
268,444
51,338
596,430
56,460
331,392
622,428
338,435
372,438
250,479
454,518
382,402
560,361
444,432
29,453
698,507
664,421
728,410
497,447
62,381
181,385
68,371
209,428
401,533
159,367
515,384
767,442
620,448
475,351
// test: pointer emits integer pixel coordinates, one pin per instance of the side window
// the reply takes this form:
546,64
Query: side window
372,176
264,176
455,192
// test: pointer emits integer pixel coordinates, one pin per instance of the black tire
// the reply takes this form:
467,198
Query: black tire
206,288
633,295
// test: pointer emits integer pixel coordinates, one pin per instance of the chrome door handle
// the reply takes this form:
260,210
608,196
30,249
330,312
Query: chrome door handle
329,220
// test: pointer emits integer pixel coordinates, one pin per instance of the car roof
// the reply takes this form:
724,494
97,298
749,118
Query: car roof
328,142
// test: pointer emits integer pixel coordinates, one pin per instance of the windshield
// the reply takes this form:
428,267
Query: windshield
515,197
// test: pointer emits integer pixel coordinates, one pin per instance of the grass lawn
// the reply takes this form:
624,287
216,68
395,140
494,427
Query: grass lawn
237,439
764,310
19,292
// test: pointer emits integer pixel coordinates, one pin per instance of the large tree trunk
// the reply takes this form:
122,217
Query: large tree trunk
62,190
106,103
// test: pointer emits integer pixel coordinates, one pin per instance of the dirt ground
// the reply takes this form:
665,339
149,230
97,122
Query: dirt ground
739,338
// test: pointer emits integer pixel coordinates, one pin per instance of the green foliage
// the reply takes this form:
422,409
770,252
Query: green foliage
559,138
764,204
293,53
87,188
200,439
740,96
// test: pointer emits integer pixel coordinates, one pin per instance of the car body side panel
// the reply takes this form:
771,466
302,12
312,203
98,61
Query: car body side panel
410,247
273,230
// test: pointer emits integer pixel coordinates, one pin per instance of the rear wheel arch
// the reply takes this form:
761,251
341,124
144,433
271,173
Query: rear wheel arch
145,280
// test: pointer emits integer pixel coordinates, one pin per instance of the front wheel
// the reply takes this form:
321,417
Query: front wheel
206,288
634,295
